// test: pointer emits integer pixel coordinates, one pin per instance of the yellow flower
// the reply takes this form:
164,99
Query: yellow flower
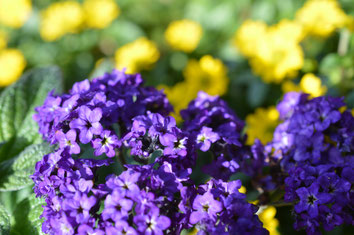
309,84
61,18
321,17
268,220
12,64
14,13
183,35
208,74
3,40
289,86
248,35
274,52
312,85
138,55
100,13
278,55
261,124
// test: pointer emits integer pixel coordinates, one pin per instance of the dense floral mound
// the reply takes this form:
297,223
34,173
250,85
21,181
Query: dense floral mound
122,166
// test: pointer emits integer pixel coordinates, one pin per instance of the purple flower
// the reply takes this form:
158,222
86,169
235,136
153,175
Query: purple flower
206,208
126,182
205,138
85,229
152,223
68,140
310,199
88,123
162,126
116,206
79,206
105,144
123,228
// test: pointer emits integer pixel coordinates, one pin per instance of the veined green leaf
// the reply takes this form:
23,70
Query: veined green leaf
15,172
25,218
17,103
4,221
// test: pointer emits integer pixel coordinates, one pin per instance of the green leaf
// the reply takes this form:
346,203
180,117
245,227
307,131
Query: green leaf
14,173
4,221
17,103
25,219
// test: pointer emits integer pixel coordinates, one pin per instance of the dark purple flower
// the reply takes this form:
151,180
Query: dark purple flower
310,199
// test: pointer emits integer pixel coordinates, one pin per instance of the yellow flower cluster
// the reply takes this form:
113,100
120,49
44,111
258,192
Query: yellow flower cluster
208,74
274,52
138,55
267,216
183,35
65,17
261,124
14,13
321,17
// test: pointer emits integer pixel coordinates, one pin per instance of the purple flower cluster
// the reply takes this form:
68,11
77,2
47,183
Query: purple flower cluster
215,128
219,208
314,146
114,120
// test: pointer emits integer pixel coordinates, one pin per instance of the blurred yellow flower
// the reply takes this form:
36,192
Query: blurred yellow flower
248,36
3,40
242,189
278,55
274,52
14,13
267,216
61,18
261,124
312,85
12,64
208,74
321,17
183,35
100,13
309,84
179,96
138,55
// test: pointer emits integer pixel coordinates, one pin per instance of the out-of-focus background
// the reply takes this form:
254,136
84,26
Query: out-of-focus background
250,52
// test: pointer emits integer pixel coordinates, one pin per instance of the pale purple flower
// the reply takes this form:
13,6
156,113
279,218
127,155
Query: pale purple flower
88,123
68,140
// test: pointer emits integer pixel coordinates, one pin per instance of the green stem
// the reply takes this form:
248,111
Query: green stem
343,43
121,158
280,204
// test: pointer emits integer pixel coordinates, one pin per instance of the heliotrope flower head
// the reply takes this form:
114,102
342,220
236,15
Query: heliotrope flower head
313,146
